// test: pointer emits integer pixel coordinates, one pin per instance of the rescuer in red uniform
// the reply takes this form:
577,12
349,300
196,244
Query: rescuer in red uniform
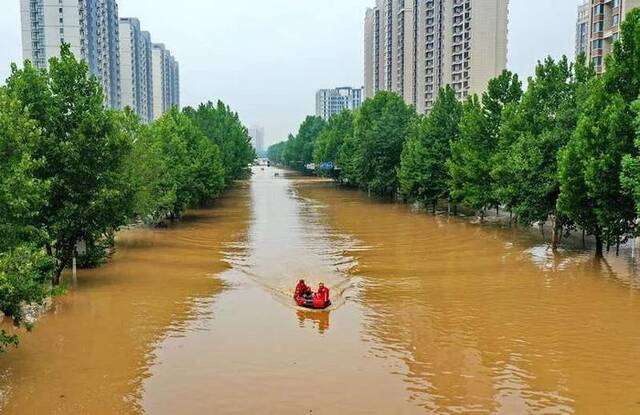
302,289
321,298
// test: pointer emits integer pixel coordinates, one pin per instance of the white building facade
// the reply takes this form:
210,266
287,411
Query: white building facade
117,51
330,102
135,69
257,137
165,80
416,47
46,24
90,27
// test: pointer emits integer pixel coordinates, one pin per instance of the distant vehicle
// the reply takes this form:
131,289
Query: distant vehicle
276,174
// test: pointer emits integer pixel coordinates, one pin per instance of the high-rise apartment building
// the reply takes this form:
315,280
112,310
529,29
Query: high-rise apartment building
605,17
131,64
46,24
257,137
166,80
117,51
89,26
416,47
332,101
583,25
135,68
146,85
102,44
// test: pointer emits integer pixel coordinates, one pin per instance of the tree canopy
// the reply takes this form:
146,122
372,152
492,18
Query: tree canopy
72,172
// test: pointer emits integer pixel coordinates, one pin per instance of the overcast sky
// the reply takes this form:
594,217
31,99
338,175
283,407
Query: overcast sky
266,59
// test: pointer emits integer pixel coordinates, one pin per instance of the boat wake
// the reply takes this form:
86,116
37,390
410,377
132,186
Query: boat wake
289,240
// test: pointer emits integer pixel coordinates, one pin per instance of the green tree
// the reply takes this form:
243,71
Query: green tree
22,196
275,152
147,171
532,135
330,141
24,268
501,91
470,162
223,128
423,172
82,152
299,148
630,178
380,130
196,174
25,273
472,154
590,168
592,165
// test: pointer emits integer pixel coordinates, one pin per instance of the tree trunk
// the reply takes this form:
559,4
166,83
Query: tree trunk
510,218
433,207
455,210
498,210
584,239
618,247
599,246
57,276
481,215
556,233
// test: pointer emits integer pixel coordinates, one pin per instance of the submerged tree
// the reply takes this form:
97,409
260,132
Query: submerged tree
531,137
472,154
82,153
299,148
330,140
591,167
380,130
223,128
630,178
196,173
423,172
25,269
470,162
275,152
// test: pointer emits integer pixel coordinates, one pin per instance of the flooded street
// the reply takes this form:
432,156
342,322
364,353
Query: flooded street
430,315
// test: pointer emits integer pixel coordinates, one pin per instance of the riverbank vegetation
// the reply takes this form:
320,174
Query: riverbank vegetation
73,172
564,150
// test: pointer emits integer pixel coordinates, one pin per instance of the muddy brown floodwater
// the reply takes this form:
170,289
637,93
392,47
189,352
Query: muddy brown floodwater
431,315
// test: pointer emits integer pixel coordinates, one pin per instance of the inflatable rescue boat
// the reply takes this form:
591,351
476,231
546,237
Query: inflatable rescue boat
311,301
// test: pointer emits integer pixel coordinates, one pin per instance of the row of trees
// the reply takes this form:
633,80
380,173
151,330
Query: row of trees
565,150
73,172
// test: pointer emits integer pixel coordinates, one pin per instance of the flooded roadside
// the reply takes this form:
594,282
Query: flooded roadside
92,351
430,315
487,319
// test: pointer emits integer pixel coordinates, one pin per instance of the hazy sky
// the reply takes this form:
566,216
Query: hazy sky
266,59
